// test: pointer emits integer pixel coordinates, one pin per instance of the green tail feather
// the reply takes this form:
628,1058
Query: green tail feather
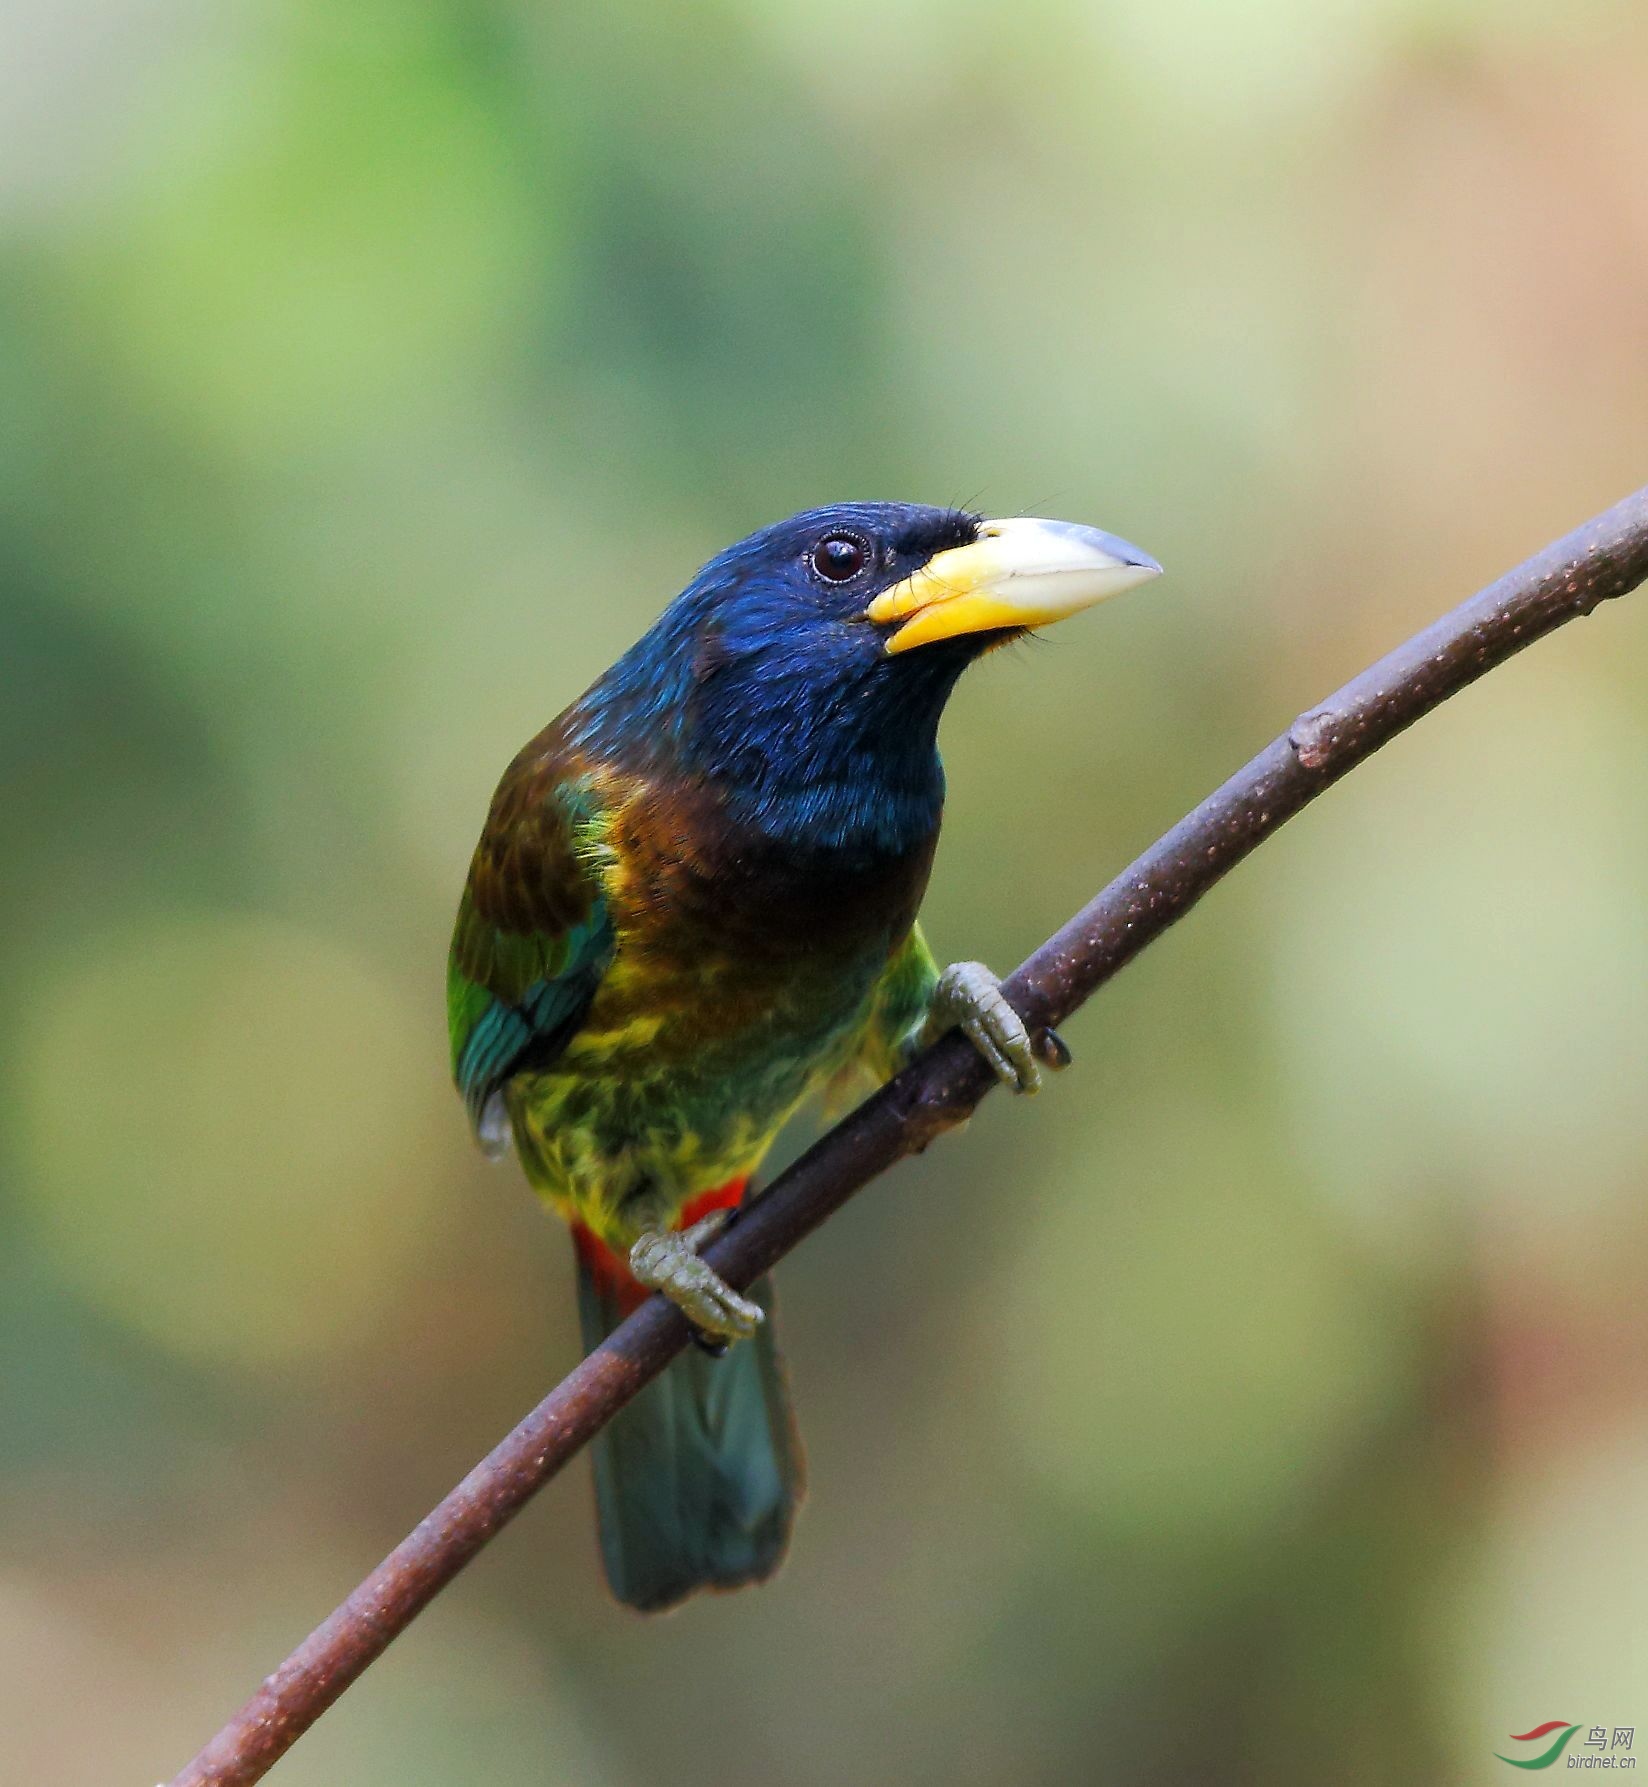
697,1479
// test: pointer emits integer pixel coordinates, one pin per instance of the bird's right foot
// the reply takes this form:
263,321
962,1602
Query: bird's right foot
969,998
668,1262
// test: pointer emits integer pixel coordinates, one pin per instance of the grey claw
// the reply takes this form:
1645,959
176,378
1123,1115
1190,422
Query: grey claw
669,1263
969,998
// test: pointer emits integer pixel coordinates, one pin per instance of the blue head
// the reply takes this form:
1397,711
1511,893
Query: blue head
803,672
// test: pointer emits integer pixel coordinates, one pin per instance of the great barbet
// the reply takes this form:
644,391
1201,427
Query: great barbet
694,906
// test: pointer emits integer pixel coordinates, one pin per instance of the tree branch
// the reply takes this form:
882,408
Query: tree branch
1605,558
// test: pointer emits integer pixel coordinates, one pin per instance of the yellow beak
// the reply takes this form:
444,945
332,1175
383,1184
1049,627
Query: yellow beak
1023,572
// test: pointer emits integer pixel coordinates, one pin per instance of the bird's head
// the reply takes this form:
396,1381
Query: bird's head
807,666
861,582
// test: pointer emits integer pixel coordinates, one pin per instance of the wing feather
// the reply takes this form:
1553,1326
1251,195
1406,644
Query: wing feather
533,936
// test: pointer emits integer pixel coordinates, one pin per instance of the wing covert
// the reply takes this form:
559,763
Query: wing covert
532,940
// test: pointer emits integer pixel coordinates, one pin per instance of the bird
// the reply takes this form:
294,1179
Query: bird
692,908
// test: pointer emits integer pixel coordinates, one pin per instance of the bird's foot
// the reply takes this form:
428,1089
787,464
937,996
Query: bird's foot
665,1261
969,998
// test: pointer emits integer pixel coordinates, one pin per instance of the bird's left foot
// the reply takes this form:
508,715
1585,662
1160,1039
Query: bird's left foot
969,998
665,1261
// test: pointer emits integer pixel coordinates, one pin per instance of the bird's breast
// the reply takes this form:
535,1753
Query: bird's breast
695,881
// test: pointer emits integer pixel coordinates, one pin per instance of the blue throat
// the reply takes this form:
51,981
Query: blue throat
843,766
818,744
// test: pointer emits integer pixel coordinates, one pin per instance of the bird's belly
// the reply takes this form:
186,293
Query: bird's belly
676,1086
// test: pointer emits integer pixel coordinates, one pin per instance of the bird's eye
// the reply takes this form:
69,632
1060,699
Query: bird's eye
839,557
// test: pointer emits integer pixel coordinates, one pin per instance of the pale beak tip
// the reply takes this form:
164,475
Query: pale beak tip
1104,547
1135,557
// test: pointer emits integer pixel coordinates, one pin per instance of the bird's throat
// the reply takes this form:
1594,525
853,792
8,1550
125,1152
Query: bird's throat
843,763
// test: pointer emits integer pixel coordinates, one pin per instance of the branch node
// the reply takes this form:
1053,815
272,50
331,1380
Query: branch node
1314,735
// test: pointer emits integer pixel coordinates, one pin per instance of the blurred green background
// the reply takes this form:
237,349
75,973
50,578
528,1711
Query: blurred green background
1269,1402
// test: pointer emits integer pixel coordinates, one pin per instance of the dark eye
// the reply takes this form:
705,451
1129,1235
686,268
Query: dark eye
838,557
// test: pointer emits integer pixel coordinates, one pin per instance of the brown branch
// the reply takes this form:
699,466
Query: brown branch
1606,557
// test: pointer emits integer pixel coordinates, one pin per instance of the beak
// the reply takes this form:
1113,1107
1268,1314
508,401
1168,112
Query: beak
1018,573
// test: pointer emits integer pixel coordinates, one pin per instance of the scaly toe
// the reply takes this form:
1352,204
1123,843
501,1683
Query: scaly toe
969,997
650,1257
667,1263
1005,1067
739,1317
699,1236
716,1308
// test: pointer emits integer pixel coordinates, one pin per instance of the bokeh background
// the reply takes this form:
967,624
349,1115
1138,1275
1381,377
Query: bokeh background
1269,1402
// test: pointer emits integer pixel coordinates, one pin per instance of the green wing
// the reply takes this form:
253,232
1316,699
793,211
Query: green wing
532,940
903,996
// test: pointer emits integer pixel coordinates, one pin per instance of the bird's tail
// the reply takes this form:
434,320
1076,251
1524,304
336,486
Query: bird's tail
696,1479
